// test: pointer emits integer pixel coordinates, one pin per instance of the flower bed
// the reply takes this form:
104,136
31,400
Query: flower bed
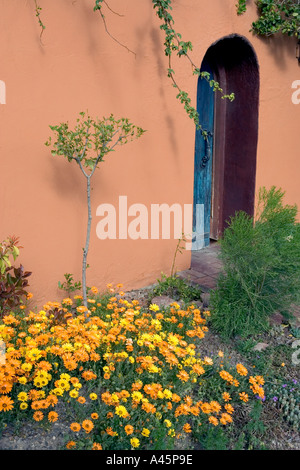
131,375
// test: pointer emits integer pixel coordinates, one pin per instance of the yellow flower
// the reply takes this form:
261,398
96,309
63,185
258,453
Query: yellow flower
93,396
22,380
135,442
73,394
22,396
145,432
121,411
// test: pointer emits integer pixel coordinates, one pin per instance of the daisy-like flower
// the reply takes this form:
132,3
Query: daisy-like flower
75,427
52,416
38,416
6,403
135,442
87,425
71,445
97,446
129,429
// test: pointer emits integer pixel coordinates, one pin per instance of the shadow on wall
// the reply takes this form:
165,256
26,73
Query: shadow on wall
282,49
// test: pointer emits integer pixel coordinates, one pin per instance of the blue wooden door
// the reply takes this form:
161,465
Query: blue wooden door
203,163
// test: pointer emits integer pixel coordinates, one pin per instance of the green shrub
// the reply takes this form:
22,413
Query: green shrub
177,288
261,261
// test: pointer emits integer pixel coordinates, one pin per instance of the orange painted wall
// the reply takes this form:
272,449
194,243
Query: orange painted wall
77,66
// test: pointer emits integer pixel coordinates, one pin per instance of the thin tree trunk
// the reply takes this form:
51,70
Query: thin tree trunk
87,243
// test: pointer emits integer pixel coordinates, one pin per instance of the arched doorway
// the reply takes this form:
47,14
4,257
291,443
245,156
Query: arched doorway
225,164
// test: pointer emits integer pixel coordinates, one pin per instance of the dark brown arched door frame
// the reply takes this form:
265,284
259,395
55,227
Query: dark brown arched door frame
235,67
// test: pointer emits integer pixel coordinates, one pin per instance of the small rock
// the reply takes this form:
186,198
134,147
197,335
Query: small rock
260,346
276,318
206,299
163,301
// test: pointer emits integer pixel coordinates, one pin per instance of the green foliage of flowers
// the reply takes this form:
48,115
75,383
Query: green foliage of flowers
261,267
128,377
176,288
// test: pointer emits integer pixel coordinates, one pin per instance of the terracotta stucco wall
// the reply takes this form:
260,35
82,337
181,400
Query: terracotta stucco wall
78,67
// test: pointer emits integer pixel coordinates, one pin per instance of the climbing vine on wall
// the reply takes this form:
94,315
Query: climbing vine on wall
174,44
38,10
274,16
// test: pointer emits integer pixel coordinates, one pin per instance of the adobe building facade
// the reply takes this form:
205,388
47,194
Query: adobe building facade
76,66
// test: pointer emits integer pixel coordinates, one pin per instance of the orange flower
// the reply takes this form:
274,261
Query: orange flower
71,445
38,416
94,416
183,376
6,403
226,396
229,408
206,408
187,428
52,416
75,427
129,429
215,406
213,420
97,446
87,425
241,369
110,432
5,387
225,418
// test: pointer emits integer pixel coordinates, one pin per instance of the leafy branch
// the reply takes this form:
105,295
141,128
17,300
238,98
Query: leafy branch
98,7
275,16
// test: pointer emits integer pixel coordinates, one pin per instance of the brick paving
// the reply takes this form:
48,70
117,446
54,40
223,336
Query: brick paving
205,267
